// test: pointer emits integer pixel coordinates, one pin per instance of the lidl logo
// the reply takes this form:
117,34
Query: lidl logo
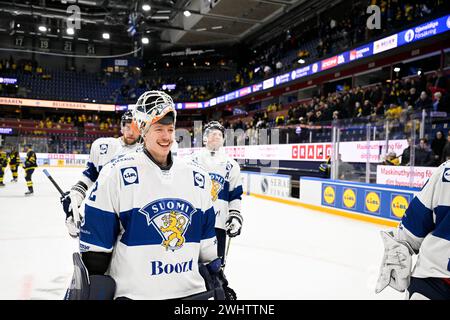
373,202
349,198
329,195
130,175
399,204
446,176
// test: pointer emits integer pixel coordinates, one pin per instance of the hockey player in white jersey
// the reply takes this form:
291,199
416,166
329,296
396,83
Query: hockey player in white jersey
424,230
149,220
226,181
103,150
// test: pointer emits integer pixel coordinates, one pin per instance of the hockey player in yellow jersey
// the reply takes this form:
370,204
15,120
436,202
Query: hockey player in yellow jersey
29,166
14,162
2,165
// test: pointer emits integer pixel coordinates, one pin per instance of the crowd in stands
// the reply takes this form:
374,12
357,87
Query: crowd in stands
425,154
398,101
316,38
395,100
331,35
103,123
312,39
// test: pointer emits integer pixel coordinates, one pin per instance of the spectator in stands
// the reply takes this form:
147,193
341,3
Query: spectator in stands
279,121
393,112
391,159
39,71
412,97
423,155
423,102
437,146
406,153
446,150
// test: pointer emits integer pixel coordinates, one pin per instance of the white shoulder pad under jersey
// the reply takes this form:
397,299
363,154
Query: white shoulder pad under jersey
226,183
426,226
158,224
103,150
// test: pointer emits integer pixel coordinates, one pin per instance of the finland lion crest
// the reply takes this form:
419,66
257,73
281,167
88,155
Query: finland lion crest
217,185
171,218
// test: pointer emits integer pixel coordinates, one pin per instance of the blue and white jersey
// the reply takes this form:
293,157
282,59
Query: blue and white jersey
103,150
158,224
426,226
226,183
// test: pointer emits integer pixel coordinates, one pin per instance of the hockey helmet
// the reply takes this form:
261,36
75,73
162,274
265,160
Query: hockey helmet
214,125
127,117
209,127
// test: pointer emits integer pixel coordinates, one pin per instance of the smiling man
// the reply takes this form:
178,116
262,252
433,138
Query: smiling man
149,221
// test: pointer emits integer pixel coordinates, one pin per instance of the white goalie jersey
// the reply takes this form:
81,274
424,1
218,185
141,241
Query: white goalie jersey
226,183
426,226
103,150
158,224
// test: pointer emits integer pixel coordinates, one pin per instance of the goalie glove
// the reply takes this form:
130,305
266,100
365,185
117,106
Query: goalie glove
395,268
233,224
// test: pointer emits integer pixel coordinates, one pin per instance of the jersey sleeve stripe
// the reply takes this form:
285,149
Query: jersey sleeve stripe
209,221
443,221
100,228
235,194
418,219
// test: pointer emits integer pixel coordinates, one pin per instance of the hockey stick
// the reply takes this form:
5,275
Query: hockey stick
76,214
226,253
53,181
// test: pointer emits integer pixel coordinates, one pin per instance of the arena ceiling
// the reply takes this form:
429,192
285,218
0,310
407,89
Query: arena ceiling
211,22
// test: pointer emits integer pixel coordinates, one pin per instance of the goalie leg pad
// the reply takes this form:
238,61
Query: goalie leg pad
85,287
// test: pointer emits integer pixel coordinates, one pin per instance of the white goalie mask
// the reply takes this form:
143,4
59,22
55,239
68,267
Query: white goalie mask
151,107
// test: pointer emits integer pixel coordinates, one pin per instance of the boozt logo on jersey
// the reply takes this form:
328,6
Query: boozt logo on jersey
158,267
199,180
171,218
217,185
130,175
103,148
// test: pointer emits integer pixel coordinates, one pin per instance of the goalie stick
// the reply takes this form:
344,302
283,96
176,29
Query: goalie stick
53,181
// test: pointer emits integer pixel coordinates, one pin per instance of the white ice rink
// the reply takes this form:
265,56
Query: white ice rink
284,251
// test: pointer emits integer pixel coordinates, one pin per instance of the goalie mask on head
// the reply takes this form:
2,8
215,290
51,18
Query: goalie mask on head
152,107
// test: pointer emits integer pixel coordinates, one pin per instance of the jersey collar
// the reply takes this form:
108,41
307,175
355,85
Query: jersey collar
169,160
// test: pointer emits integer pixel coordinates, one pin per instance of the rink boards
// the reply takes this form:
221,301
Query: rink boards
374,203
